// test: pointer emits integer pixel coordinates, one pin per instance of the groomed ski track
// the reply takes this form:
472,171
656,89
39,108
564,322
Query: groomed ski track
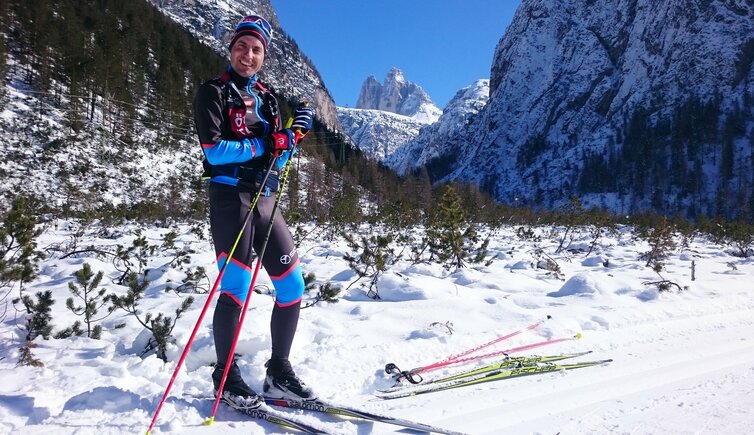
701,368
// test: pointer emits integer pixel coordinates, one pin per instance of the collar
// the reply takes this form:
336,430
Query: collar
240,81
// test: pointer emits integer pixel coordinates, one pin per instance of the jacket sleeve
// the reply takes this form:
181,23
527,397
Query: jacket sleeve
208,117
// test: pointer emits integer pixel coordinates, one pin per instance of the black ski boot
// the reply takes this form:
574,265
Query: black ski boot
282,383
235,391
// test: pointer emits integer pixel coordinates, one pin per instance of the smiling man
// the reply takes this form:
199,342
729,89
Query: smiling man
238,123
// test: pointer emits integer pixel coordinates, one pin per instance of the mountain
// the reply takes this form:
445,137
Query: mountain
378,133
630,104
387,115
106,126
440,142
397,95
287,70
105,123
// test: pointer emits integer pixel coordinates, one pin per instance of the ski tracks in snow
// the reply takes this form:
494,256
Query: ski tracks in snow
680,376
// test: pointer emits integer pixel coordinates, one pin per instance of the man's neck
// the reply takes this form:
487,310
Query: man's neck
240,81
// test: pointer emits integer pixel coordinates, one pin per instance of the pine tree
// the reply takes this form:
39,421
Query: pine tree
18,233
740,234
345,210
314,186
451,236
293,213
27,358
140,251
371,257
160,326
92,298
659,235
39,315
3,52
325,292
18,264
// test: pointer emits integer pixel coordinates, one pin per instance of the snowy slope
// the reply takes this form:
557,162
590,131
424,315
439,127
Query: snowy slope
90,168
378,133
446,137
683,361
568,77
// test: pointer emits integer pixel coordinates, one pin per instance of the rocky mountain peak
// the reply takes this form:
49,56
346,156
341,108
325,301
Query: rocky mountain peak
397,95
395,75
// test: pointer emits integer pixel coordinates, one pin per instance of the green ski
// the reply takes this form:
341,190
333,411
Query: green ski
507,363
504,373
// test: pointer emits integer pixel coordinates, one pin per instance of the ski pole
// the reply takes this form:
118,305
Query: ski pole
391,368
516,349
454,358
219,278
414,378
262,250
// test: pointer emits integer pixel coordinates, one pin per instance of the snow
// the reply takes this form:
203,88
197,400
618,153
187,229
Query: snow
576,75
445,135
683,362
378,133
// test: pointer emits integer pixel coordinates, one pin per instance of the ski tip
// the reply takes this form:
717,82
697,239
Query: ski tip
209,421
578,336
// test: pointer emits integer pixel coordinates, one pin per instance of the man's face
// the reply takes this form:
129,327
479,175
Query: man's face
247,56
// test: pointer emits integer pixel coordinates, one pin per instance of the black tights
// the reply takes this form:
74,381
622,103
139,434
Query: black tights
225,323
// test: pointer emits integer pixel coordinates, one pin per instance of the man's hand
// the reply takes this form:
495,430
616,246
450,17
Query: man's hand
303,118
282,140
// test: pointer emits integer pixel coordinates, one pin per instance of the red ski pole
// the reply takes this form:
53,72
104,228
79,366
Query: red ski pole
457,358
209,299
232,351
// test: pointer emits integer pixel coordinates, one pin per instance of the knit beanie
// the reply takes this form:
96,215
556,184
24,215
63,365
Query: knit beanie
255,26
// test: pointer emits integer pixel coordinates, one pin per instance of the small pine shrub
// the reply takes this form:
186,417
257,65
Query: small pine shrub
452,239
92,299
661,243
27,358
160,326
371,257
38,315
326,292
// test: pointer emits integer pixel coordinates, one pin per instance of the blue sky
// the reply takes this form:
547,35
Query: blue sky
441,45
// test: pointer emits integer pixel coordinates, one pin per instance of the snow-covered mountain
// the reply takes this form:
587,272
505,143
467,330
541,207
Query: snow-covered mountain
286,69
631,104
398,95
118,151
378,133
387,115
445,138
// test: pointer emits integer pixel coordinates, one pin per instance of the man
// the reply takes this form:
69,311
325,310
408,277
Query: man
239,128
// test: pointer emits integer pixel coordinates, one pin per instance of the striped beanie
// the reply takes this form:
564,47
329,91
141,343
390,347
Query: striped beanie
255,26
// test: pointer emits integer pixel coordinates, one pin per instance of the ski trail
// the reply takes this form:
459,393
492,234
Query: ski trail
600,402
660,375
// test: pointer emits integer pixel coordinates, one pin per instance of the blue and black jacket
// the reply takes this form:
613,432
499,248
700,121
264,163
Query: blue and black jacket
234,118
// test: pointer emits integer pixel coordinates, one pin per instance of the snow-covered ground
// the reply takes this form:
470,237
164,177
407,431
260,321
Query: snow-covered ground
683,361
